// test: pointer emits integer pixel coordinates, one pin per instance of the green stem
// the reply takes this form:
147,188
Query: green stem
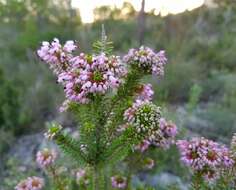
196,181
98,122
98,179
120,102
129,177
99,131
58,183
70,146
95,179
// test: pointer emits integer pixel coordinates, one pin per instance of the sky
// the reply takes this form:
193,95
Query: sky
165,7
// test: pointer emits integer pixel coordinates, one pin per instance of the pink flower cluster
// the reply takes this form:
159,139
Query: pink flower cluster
56,55
118,182
168,132
46,157
205,156
146,118
82,75
145,58
91,75
31,183
145,92
143,146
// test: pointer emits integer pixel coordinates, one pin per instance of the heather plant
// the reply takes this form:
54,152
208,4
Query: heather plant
212,164
117,122
114,110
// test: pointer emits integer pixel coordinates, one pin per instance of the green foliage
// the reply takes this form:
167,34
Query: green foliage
10,115
229,94
177,83
120,148
124,97
6,139
145,188
103,46
194,97
218,116
72,148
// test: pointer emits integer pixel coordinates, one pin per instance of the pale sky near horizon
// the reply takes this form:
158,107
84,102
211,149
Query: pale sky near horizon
86,7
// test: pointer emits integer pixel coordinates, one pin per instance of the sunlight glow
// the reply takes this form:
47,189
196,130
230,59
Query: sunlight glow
164,7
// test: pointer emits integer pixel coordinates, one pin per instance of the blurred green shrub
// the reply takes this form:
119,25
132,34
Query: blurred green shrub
9,104
229,95
221,122
41,97
6,139
177,82
194,96
14,173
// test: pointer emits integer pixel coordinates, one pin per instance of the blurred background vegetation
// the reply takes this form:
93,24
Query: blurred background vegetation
198,89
